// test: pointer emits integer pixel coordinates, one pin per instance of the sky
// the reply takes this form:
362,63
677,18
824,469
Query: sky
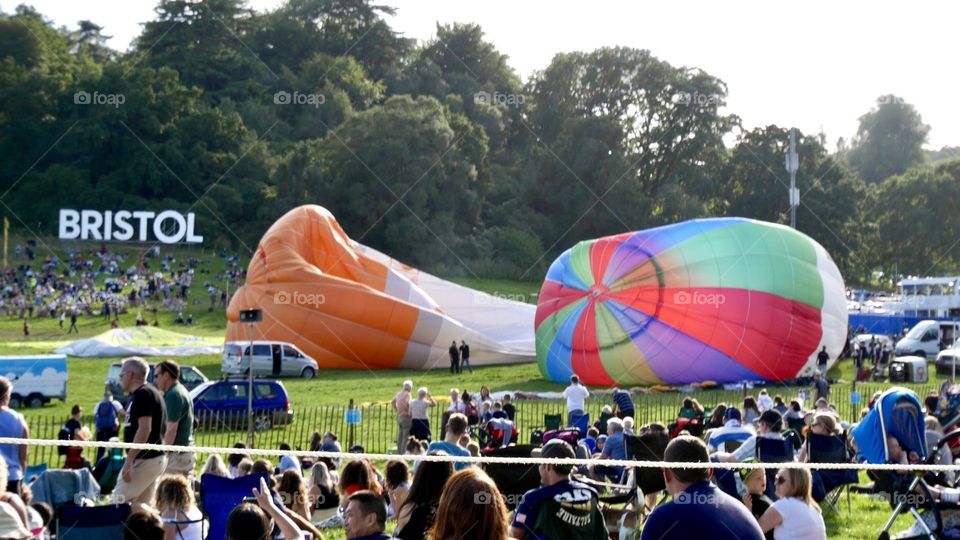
816,65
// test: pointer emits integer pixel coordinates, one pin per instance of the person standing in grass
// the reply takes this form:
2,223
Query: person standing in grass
454,358
12,424
401,404
456,427
179,406
464,356
576,395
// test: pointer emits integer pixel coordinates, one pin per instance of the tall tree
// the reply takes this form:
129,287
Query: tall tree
889,140
204,41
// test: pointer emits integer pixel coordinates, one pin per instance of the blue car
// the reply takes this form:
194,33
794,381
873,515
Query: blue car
224,403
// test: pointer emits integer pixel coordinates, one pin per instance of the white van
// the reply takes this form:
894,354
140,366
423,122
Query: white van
270,358
928,338
36,379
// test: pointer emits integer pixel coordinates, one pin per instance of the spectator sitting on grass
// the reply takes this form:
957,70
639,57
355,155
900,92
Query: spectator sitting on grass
771,423
417,513
398,484
250,521
293,492
357,475
143,525
216,467
365,517
456,428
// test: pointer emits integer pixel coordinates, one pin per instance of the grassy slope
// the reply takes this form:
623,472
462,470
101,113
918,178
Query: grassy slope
338,386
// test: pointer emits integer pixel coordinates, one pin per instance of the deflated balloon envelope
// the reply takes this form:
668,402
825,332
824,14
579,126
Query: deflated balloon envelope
723,300
349,306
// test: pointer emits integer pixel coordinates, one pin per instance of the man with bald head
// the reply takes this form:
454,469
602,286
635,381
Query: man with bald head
145,422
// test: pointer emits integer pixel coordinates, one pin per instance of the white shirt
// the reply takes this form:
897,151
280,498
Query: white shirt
418,409
764,402
575,394
800,521
188,531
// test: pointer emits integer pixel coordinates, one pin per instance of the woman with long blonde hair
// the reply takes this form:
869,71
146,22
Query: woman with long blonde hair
795,515
471,508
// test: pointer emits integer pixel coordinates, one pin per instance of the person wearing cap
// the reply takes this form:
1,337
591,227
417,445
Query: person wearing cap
755,487
107,415
562,508
731,432
771,423
699,509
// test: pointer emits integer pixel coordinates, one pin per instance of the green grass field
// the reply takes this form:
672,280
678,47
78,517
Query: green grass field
337,387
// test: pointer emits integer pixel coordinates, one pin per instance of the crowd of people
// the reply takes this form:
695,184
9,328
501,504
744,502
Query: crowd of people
106,284
441,500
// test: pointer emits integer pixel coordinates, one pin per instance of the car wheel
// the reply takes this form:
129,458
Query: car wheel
35,401
15,401
263,422
308,373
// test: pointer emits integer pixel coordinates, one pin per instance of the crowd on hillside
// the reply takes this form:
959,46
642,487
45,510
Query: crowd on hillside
105,283
295,498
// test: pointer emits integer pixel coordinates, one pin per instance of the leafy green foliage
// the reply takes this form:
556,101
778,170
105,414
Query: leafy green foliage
435,153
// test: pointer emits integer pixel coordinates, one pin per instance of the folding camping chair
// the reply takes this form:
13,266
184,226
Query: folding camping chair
513,480
648,446
552,422
221,495
91,522
773,451
34,471
581,422
830,449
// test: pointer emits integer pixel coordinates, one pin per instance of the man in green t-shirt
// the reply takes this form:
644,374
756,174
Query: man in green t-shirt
179,418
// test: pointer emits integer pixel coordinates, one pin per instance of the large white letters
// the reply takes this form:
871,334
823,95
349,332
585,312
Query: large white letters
166,227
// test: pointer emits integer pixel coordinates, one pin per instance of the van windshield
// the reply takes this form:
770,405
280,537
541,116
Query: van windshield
917,331
233,350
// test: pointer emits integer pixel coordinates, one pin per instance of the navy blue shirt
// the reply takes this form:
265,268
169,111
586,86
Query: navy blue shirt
623,401
567,509
702,511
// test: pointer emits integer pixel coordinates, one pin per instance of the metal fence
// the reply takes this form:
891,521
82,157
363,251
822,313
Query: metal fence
377,429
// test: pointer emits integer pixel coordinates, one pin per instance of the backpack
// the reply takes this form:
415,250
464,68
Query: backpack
106,416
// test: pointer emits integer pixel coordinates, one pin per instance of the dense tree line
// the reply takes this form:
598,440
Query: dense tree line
436,153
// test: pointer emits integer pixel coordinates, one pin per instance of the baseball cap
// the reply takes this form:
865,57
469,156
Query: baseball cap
745,473
557,448
733,413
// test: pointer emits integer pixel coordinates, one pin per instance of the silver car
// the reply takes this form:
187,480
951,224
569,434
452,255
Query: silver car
270,358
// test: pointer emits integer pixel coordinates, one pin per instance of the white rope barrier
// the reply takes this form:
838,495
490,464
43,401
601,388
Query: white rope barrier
482,459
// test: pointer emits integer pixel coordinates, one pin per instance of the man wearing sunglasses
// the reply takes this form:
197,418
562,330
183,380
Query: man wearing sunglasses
145,418
698,509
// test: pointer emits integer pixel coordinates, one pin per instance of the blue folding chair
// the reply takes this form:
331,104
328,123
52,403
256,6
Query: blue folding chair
831,484
34,471
221,496
773,451
91,522
581,422
725,479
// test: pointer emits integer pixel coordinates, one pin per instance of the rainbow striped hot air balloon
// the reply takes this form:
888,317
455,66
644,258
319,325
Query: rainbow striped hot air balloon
724,300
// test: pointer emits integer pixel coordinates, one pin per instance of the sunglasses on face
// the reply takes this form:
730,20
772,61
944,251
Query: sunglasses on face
780,480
